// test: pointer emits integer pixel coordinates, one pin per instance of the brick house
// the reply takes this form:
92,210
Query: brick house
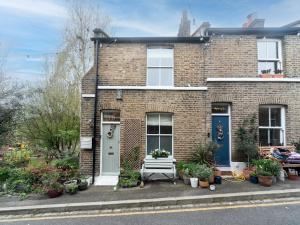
175,92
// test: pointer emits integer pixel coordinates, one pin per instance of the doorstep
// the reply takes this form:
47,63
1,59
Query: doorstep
106,180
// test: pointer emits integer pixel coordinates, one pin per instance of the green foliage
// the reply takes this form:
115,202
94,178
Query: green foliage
157,153
130,161
129,178
203,172
204,153
264,166
18,157
4,174
246,138
67,163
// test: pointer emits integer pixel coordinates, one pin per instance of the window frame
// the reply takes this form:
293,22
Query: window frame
159,134
160,67
269,127
266,60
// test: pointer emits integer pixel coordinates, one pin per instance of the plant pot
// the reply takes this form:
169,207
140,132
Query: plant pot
265,181
186,180
71,187
54,193
217,172
204,184
218,180
180,174
194,182
211,179
246,172
253,179
292,176
83,186
274,180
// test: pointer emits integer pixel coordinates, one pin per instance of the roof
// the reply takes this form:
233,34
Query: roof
293,24
254,31
152,39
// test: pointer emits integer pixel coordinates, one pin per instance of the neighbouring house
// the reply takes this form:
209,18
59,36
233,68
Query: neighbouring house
175,92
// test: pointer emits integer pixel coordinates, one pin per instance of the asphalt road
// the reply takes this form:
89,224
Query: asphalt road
287,214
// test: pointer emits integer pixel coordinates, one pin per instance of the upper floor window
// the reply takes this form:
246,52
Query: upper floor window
160,67
271,125
269,56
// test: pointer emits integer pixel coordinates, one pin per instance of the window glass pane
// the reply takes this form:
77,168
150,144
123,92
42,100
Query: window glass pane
154,58
272,50
167,57
166,129
219,108
153,76
166,143
166,119
152,143
263,116
262,49
111,115
152,119
152,129
166,78
263,137
275,137
265,67
275,117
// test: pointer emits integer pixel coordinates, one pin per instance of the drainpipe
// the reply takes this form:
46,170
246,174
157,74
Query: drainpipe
97,33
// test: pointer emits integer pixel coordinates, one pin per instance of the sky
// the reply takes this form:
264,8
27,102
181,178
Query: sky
32,29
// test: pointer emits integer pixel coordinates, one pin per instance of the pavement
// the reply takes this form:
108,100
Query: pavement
154,194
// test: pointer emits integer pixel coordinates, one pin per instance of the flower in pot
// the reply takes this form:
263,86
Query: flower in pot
194,177
180,169
54,189
186,177
253,178
157,153
204,173
71,186
267,167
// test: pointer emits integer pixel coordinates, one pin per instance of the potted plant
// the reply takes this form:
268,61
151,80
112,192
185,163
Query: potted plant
265,178
204,173
82,184
157,153
292,175
246,143
194,177
180,168
186,177
253,178
54,189
71,186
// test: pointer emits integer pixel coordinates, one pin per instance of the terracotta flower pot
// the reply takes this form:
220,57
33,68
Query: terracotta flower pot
217,172
54,193
292,176
211,179
247,171
203,184
265,181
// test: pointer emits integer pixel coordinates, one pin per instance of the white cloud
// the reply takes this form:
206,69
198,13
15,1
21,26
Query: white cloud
154,29
32,7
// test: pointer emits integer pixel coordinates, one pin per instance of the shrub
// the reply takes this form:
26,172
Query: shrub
203,172
67,163
269,166
246,139
17,157
4,174
204,153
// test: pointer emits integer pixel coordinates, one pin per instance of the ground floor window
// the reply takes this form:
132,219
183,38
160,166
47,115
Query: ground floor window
271,125
159,132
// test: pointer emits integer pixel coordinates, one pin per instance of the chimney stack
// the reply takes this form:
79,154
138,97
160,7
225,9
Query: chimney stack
253,22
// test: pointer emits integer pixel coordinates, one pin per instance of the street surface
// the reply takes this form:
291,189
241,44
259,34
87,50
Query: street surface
279,213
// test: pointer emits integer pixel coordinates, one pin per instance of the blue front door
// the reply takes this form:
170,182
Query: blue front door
220,135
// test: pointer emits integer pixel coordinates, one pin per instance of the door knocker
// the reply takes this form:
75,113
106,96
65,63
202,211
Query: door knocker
110,133
220,132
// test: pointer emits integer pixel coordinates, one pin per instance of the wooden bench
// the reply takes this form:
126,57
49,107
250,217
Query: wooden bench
265,151
164,166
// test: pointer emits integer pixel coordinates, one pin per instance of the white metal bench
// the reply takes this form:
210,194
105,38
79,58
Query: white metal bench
164,166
